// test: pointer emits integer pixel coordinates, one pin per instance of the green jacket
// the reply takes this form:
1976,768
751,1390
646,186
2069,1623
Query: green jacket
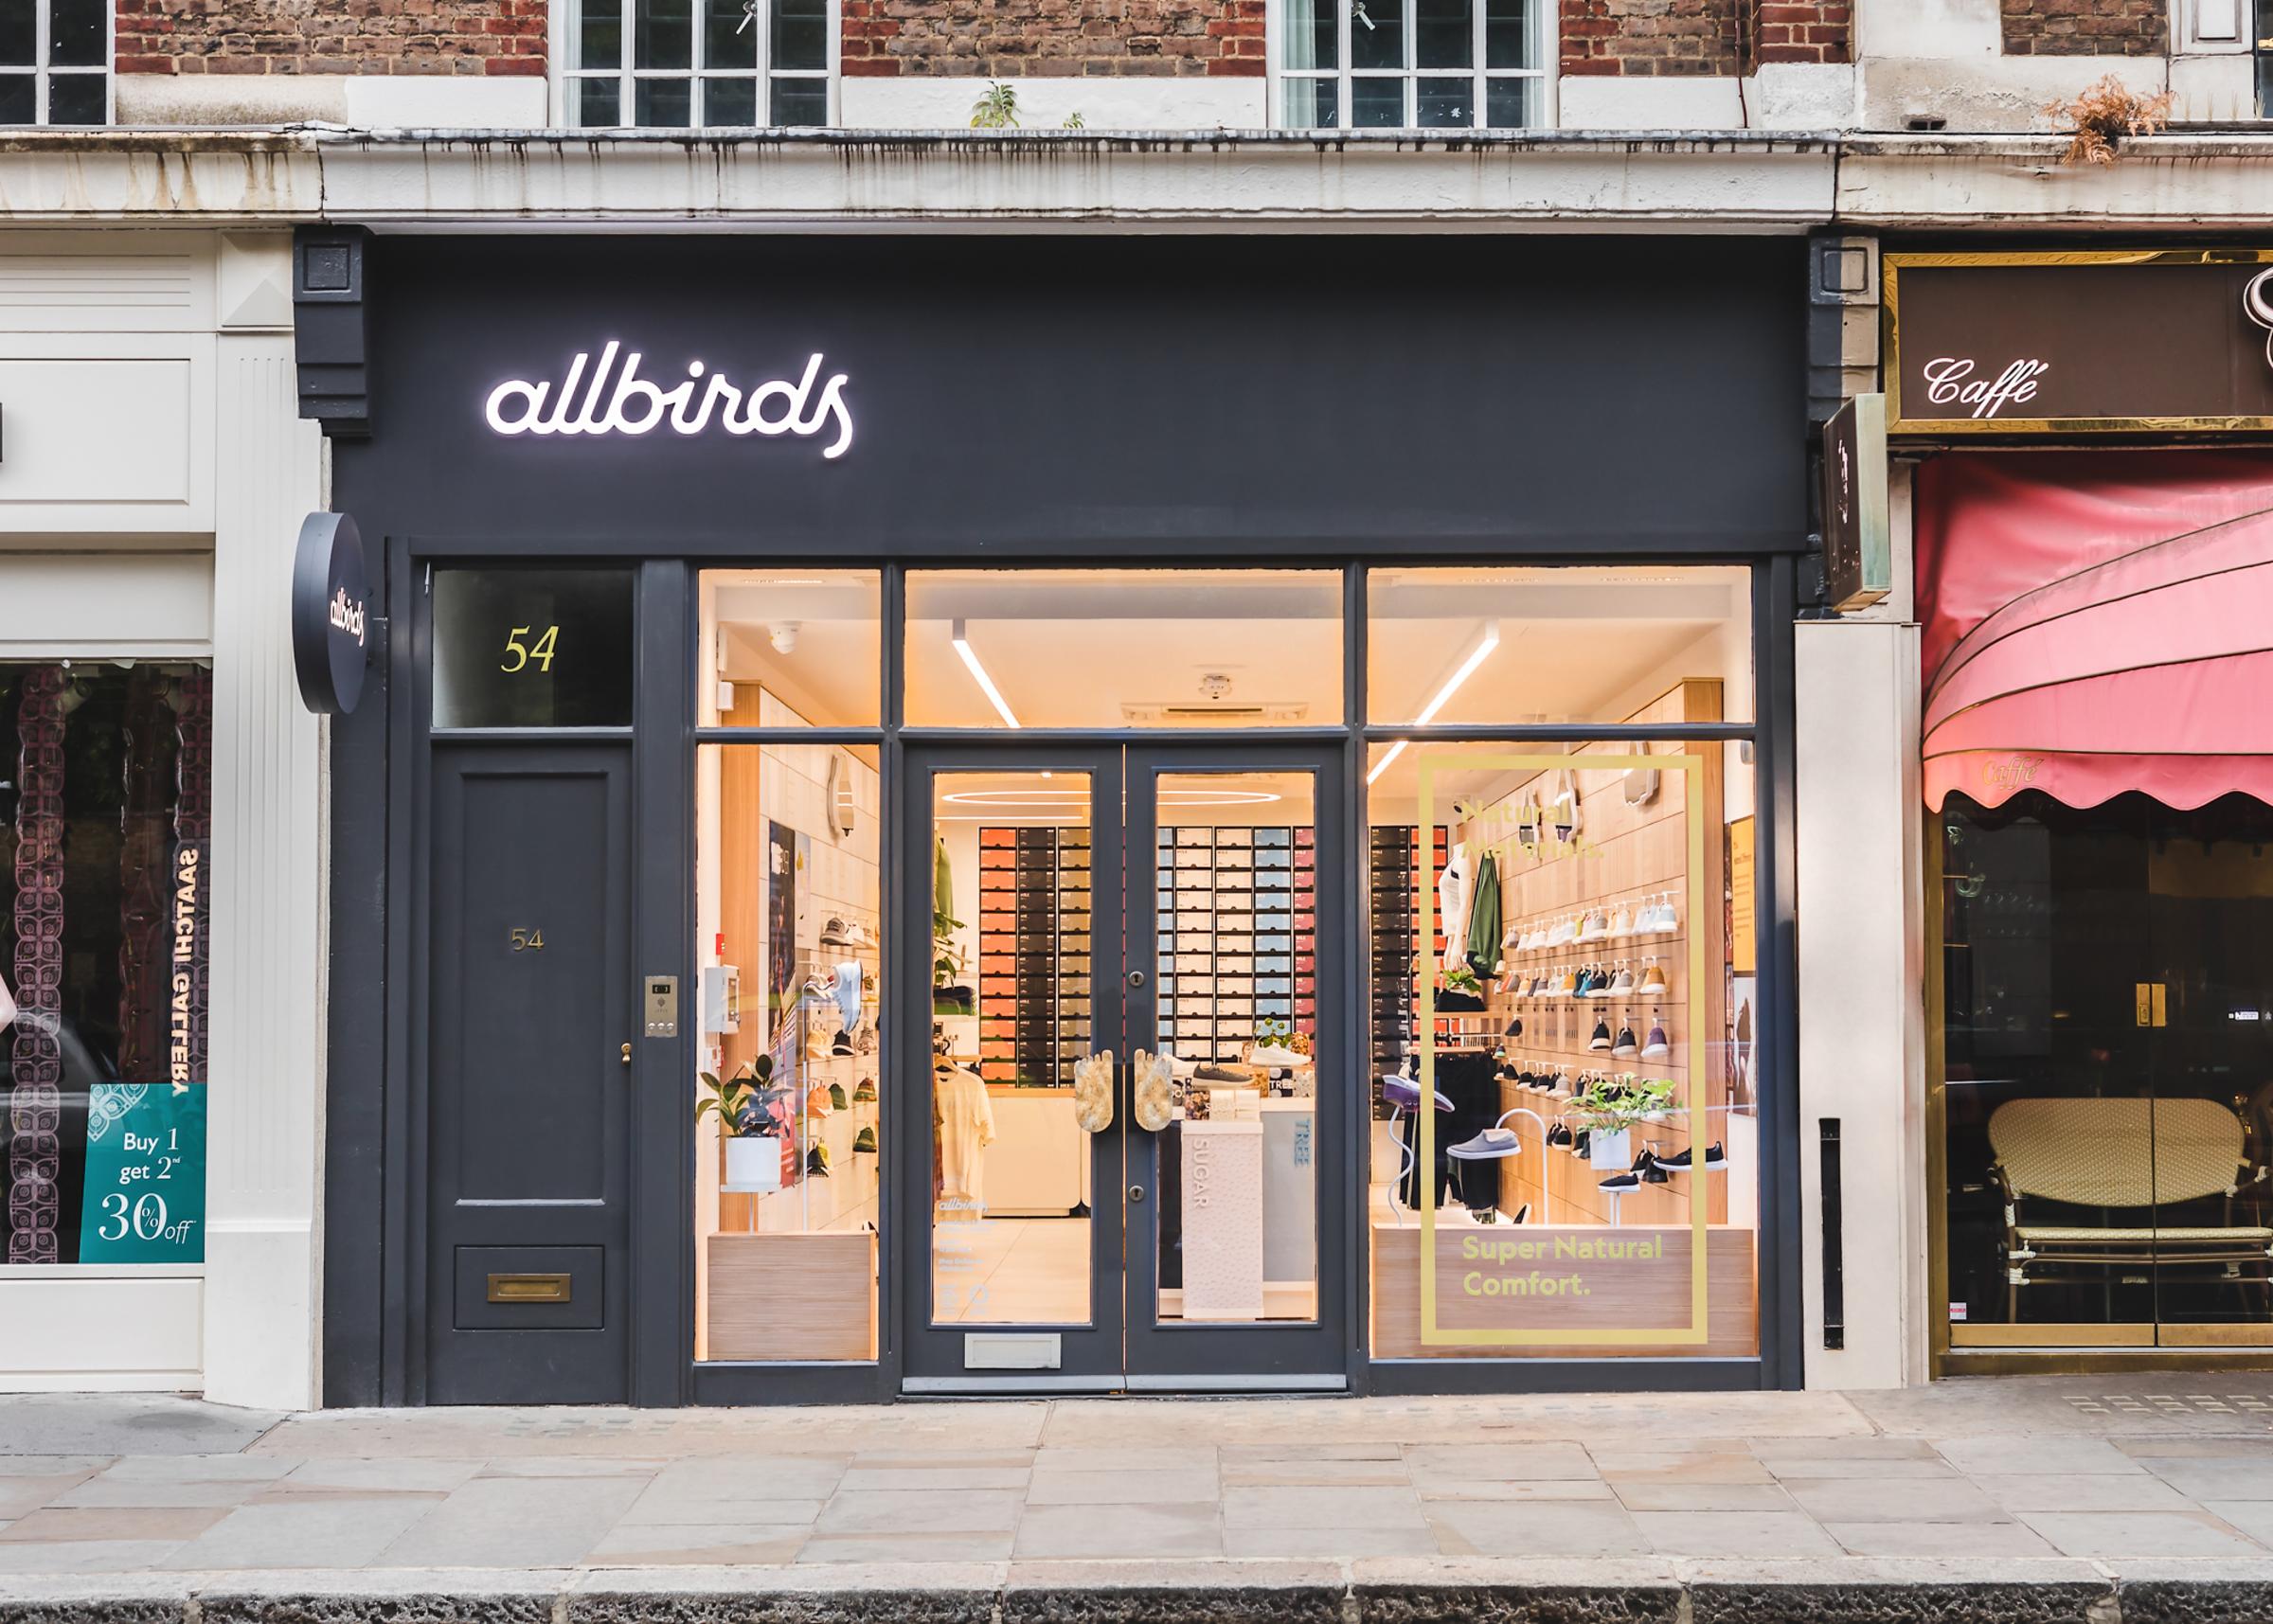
1483,917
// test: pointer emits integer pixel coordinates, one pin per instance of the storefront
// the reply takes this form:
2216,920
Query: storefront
2092,599
160,824
1065,815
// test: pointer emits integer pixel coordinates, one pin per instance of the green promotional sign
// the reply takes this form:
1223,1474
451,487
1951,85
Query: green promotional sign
145,1199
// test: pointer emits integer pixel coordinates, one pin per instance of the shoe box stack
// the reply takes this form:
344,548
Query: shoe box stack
1396,884
1238,932
1033,954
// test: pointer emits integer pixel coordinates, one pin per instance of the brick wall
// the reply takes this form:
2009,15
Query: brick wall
2086,28
1671,36
330,36
1800,30
1016,39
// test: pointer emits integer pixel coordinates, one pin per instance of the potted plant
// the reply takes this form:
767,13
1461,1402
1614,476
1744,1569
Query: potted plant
948,997
753,1144
1608,1108
1463,994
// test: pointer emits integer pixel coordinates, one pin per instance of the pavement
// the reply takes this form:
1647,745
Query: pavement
2097,1499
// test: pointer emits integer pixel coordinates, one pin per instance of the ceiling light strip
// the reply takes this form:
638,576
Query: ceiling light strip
1477,657
978,675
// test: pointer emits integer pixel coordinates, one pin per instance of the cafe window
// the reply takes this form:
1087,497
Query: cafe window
698,64
106,798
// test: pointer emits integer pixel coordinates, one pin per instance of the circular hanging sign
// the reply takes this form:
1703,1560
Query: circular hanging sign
331,614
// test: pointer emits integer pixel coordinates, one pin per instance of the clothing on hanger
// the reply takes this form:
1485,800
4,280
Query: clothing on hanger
1483,917
1452,906
963,1118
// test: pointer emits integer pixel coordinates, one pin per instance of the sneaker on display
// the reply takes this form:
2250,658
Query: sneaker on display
1601,1036
1625,1045
1715,1158
1618,1183
1657,1049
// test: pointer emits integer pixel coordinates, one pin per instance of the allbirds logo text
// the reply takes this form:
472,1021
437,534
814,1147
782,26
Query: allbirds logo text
627,404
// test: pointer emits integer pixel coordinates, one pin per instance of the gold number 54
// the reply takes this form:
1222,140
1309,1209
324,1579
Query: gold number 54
519,656
528,940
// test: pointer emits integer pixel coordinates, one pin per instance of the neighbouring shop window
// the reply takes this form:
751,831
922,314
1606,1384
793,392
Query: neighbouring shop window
1459,64
789,1100
1565,1063
795,648
532,648
2106,1011
2264,58
698,64
105,839
54,58
1111,649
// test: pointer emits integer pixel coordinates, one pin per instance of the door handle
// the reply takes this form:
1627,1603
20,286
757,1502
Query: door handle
1093,1092
1149,1101
627,1054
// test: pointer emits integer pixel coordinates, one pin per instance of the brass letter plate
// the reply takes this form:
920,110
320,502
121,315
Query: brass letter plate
529,1288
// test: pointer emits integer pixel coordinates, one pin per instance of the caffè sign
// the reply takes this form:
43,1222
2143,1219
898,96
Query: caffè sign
2098,342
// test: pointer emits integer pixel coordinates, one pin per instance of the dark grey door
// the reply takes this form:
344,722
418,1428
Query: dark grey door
529,1000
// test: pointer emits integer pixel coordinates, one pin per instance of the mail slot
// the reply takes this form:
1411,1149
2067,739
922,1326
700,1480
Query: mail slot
529,1289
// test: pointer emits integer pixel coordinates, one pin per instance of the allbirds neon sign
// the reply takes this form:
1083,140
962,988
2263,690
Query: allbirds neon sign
630,404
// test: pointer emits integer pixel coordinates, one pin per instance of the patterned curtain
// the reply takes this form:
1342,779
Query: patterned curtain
35,1099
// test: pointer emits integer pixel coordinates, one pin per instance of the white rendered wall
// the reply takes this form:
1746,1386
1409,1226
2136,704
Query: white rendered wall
263,1180
1861,1009
1134,103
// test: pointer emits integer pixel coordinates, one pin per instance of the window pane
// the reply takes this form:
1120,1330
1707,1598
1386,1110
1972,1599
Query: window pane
1447,103
801,102
596,103
1310,30
791,649
1310,103
600,35
1508,36
532,648
105,841
730,103
800,33
666,36
1506,647
76,98
75,33
1510,103
17,105
665,103
1376,33
19,35
1445,34
1013,1003
1235,874
789,949
1376,103
729,34
1588,1072
1170,647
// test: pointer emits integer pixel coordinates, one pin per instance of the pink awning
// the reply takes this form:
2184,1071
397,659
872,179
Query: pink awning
2096,622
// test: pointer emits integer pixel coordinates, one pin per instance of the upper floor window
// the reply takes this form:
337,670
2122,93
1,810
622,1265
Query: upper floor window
1385,64
695,63
55,62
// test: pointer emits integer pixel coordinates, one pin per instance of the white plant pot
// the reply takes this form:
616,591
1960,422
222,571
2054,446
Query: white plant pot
1612,1151
753,1164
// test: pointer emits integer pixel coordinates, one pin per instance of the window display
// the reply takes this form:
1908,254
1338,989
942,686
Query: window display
106,842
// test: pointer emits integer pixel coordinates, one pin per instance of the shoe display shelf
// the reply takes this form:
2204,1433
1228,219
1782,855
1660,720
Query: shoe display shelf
1623,858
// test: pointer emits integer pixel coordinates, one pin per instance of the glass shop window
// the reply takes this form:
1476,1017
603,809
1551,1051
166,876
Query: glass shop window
532,648
106,797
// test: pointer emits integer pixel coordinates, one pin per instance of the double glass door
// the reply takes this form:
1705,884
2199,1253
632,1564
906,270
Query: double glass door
1134,1119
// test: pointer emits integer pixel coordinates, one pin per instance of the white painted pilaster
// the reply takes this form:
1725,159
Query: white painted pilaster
263,1186
1862,1055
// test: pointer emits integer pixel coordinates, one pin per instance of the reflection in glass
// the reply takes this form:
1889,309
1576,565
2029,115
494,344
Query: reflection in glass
1011,1019
665,31
1376,33
790,956
1236,879
1310,103
1444,33
1171,648
1509,35
1377,103
2107,1033
729,35
1444,103
1310,34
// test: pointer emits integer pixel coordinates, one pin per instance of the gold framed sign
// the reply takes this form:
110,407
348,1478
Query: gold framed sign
2081,343
1573,1286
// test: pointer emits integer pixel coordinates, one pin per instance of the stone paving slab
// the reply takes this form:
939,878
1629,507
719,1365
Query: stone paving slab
2023,1500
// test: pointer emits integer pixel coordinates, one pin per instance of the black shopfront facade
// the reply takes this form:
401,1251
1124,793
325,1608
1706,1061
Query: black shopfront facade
1080,738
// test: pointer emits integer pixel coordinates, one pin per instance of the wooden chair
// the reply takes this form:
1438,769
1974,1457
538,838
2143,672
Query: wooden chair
2123,1153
